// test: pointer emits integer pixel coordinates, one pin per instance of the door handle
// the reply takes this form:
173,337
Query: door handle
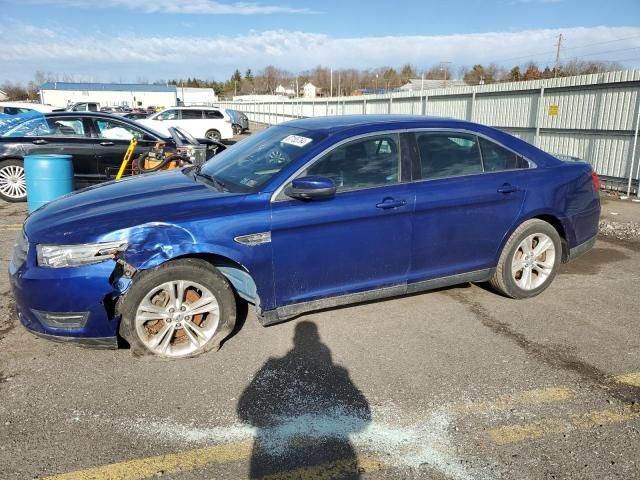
107,144
40,141
389,202
507,188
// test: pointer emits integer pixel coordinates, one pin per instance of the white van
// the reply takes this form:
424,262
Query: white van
201,122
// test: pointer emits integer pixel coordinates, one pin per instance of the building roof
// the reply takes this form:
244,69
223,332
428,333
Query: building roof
416,84
107,87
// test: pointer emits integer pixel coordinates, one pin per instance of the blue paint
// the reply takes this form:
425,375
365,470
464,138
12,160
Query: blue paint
319,248
48,177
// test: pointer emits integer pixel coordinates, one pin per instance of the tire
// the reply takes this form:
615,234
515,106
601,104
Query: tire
521,273
13,186
180,331
213,135
237,129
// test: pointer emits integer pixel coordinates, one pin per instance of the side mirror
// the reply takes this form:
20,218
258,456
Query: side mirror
310,188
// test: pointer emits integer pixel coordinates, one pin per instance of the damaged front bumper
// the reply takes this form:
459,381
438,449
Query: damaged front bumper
72,304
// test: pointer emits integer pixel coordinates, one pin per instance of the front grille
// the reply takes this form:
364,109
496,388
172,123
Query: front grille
20,251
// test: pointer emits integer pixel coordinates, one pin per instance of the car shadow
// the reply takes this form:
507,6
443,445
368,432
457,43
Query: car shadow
304,408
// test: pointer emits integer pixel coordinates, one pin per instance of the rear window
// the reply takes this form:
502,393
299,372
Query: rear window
191,114
448,154
498,158
213,114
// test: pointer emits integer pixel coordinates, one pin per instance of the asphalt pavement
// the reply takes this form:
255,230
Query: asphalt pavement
458,383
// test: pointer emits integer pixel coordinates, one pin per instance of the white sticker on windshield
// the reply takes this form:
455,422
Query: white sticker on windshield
296,140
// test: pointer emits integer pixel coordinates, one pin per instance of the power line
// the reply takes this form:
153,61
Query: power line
550,52
607,51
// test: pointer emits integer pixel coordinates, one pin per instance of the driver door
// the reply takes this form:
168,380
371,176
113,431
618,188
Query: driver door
358,240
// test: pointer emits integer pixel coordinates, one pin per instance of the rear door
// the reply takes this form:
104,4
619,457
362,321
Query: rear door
469,196
113,139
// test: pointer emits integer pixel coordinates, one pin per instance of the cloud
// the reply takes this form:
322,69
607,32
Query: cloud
192,7
126,57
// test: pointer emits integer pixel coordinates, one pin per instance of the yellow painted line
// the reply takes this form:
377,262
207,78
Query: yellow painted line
531,431
507,401
349,467
141,468
632,379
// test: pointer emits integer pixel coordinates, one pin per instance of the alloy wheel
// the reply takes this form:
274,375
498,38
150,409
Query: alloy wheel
533,261
177,318
12,182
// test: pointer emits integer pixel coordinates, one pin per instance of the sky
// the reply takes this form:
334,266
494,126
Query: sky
134,40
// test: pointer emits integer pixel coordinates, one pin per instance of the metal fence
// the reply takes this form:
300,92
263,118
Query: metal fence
593,117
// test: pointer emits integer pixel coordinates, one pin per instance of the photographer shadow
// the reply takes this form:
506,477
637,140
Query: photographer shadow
304,408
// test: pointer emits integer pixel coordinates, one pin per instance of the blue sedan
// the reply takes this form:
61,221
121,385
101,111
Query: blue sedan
306,215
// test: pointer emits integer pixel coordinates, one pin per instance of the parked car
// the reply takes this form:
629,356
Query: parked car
16,108
240,122
135,115
97,142
84,107
201,122
305,215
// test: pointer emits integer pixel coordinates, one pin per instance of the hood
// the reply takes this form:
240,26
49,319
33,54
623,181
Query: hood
91,214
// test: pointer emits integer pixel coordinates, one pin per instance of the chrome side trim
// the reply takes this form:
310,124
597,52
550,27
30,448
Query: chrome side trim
254,239
287,312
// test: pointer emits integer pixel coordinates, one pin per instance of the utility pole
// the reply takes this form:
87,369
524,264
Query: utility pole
331,83
444,66
557,67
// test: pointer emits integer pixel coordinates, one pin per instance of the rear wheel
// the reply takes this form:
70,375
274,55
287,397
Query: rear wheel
529,260
13,186
180,309
213,135
237,129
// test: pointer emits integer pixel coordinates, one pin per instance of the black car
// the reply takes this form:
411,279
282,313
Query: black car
135,115
96,141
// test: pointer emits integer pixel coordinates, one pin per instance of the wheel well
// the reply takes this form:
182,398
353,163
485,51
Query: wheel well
238,276
557,224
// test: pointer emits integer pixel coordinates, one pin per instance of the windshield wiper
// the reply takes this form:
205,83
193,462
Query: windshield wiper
220,185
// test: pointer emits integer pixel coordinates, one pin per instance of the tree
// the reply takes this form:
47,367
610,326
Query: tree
248,75
532,72
237,76
515,75
408,72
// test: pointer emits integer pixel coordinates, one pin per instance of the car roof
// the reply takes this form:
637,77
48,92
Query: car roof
346,122
38,107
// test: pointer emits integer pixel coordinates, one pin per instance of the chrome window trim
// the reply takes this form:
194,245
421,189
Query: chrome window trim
280,189
532,164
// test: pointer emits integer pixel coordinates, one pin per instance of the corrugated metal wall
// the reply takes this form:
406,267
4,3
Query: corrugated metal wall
593,117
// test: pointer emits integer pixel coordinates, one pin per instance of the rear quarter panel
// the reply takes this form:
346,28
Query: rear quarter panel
565,191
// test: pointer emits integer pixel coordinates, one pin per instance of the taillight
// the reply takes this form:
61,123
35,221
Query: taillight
596,181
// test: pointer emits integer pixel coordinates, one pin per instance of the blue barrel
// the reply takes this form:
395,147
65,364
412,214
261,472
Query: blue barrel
48,177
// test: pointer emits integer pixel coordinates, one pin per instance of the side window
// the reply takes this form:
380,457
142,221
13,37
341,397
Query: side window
114,130
65,127
497,158
191,114
367,162
444,154
213,114
168,115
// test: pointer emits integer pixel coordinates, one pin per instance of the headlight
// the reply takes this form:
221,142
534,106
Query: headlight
57,256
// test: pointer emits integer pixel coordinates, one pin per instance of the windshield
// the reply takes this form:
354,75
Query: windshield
251,163
23,122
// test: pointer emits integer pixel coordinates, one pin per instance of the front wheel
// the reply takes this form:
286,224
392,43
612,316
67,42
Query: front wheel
213,135
529,260
181,309
13,185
